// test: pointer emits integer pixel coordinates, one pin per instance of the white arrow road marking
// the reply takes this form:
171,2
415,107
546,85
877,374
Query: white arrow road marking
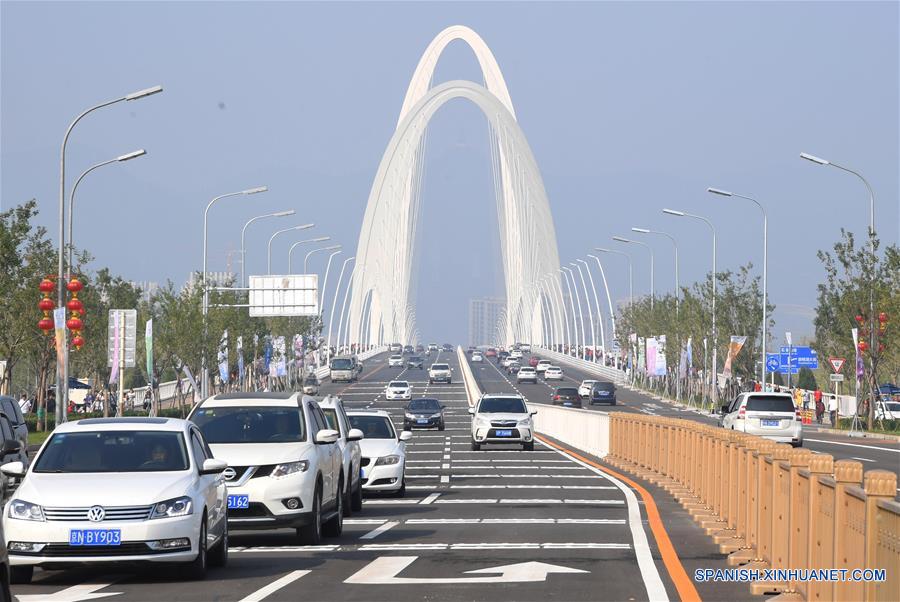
384,569
76,593
273,587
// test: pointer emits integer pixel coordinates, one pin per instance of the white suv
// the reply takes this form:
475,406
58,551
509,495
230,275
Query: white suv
440,373
769,415
333,408
542,365
526,374
285,469
502,418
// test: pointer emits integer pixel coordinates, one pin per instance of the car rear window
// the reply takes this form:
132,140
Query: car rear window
770,403
566,391
440,367
604,386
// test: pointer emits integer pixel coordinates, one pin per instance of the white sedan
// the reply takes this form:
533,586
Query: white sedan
108,490
553,373
395,361
383,451
477,357
584,389
398,389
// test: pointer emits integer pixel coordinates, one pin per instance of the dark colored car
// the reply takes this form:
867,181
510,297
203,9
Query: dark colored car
424,414
420,348
415,361
889,389
447,347
408,349
502,356
566,396
513,367
603,392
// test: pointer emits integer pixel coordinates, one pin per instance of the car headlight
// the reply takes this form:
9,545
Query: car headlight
409,416
438,415
289,468
482,422
387,460
23,510
179,506
525,422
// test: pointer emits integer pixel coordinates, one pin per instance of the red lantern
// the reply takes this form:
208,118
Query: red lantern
75,305
883,317
863,346
880,347
860,318
46,304
74,324
77,342
46,324
74,285
46,286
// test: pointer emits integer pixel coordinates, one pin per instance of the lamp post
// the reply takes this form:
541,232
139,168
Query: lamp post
334,302
119,159
204,386
306,259
715,370
650,250
872,337
62,375
567,273
244,230
674,244
271,238
587,302
302,242
765,278
612,313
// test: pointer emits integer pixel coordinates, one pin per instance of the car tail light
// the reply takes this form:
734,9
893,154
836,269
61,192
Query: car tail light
742,413
797,415
556,397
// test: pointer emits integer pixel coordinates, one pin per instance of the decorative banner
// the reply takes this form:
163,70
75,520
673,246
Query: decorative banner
267,352
860,366
222,357
148,346
240,357
190,377
59,325
690,355
733,349
661,367
298,346
280,364
684,364
652,347
117,345
640,355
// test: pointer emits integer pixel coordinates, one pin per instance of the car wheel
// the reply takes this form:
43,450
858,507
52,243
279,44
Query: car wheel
218,556
441,427
311,534
348,494
19,575
476,446
335,526
528,446
356,498
402,491
195,570
797,444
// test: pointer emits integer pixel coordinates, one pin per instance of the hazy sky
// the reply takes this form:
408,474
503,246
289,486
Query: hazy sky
628,108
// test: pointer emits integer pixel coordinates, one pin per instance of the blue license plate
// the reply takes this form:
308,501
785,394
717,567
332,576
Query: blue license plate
771,422
504,433
567,403
237,502
95,537
421,421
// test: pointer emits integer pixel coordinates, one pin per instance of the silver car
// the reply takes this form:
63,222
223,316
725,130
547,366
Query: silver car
769,415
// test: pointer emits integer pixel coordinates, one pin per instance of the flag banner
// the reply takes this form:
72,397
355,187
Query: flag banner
860,365
734,347
640,354
59,336
684,362
690,355
148,347
652,347
240,357
661,367
267,352
117,345
298,346
190,377
222,357
280,357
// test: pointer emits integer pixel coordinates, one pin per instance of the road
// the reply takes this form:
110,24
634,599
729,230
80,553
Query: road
872,452
498,524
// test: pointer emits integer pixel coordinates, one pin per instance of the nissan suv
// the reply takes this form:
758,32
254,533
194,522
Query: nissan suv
440,373
348,442
502,418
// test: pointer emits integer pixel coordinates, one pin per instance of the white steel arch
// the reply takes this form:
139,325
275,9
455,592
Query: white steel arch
388,234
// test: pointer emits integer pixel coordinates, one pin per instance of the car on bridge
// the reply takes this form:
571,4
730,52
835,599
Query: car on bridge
285,469
344,368
440,373
432,347
525,348
398,389
553,373
502,418
512,367
103,491
336,416
566,396
533,361
415,361
542,365
584,389
769,415
423,413
490,352
477,356
383,452
395,348
447,348
395,361
603,392
408,349
527,374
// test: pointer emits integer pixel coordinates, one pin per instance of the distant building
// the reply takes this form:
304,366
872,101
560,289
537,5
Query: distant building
484,313
148,289
213,279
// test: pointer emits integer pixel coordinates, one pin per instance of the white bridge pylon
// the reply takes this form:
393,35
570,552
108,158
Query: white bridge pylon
383,291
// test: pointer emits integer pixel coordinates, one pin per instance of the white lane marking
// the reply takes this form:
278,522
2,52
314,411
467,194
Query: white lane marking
364,521
529,501
498,460
531,487
447,457
861,459
494,546
445,479
515,521
524,466
390,502
649,573
82,591
417,487
523,476
379,530
430,498
422,476
273,587
887,449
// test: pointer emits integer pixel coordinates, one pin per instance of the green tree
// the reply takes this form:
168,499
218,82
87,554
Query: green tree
806,379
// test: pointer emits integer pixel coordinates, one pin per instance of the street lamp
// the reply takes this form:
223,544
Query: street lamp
271,238
334,303
302,242
630,272
590,311
119,159
612,313
244,230
62,375
674,244
765,326
567,272
650,249
306,259
676,213
204,386
872,341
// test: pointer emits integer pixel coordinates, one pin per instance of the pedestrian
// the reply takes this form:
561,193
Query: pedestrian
24,404
833,409
820,408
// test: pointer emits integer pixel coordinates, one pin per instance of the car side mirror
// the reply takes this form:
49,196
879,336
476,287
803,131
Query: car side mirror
443,407
13,469
405,435
533,412
355,435
11,446
327,436
724,409
213,466
472,411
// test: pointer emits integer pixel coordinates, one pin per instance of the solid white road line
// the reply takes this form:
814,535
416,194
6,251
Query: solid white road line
364,521
861,459
531,487
379,530
515,521
888,449
273,587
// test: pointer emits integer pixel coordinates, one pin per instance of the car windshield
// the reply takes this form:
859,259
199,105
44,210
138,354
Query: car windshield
341,364
770,403
373,427
396,357
524,370
440,367
398,384
426,405
893,407
256,424
415,358
114,451
566,391
502,405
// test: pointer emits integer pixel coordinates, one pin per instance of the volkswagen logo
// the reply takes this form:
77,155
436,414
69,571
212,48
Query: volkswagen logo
229,474
96,514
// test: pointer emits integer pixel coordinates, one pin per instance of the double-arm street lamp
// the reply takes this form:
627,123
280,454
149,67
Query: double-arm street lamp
244,230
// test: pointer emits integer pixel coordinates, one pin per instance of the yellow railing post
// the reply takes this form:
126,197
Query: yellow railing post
879,485
820,520
849,530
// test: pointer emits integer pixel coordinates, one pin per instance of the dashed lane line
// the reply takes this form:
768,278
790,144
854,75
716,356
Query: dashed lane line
379,530
273,587
430,499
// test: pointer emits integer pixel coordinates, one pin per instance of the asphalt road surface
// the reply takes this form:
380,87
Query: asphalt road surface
497,524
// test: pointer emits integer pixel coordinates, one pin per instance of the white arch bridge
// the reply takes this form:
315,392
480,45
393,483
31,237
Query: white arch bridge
383,291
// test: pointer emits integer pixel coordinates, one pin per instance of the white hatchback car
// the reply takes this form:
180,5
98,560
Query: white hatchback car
333,408
502,418
553,373
383,451
112,490
285,468
584,389
396,361
398,389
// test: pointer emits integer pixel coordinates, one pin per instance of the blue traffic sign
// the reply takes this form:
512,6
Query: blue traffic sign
773,362
798,357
